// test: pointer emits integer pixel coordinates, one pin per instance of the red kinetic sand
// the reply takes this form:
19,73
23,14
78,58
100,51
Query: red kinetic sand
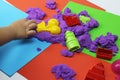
71,20
96,73
104,53
116,68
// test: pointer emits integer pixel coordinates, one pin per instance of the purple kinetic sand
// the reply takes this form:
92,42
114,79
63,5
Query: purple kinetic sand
66,53
92,23
80,31
105,42
64,72
67,11
58,10
84,13
36,14
85,40
46,36
38,49
51,4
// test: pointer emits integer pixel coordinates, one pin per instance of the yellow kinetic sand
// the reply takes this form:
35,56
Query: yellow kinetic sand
52,27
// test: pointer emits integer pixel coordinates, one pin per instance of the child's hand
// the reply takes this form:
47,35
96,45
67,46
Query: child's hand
23,28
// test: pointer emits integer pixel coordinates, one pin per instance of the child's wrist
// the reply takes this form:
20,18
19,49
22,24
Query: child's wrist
12,32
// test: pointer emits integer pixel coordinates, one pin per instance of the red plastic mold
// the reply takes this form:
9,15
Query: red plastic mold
96,73
71,20
104,53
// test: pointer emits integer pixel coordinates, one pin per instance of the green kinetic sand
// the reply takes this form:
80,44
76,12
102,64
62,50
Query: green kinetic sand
107,23
84,19
71,41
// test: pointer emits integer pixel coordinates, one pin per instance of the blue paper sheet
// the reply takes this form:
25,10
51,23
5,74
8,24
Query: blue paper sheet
15,54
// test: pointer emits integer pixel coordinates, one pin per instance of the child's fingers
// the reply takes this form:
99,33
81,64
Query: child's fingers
32,26
31,32
30,21
24,19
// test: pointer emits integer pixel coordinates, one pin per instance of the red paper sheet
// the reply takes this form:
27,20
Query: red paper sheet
40,67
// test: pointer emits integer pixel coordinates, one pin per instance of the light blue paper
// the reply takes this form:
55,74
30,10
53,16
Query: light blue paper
15,54
9,14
